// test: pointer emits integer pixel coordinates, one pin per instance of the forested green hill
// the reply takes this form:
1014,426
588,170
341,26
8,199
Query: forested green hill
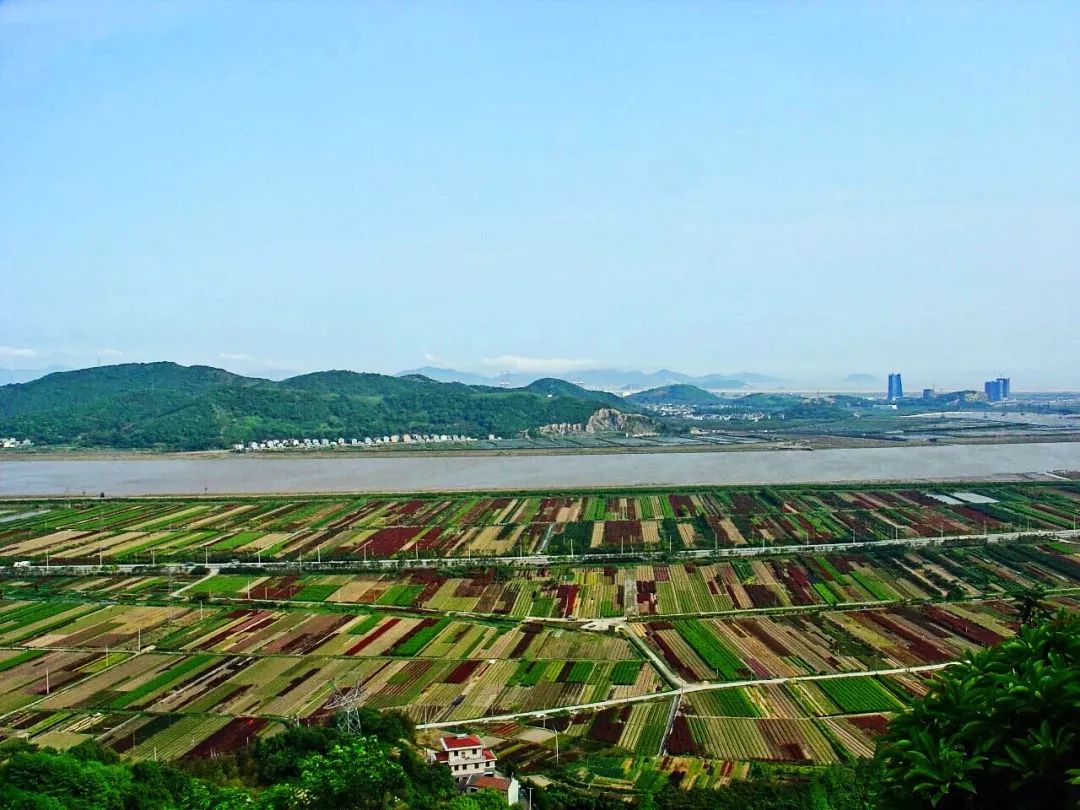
169,406
678,394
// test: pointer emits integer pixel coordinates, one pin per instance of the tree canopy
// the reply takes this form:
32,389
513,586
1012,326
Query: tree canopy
1001,729
168,406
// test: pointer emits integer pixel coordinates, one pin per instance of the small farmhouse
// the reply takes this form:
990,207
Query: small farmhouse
465,755
507,786
473,766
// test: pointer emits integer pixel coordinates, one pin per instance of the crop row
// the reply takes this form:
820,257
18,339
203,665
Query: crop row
371,528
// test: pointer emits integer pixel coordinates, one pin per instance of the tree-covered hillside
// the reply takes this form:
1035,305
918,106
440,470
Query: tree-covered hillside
679,394
165,405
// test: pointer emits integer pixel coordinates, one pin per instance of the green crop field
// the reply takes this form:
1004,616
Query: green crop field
287,602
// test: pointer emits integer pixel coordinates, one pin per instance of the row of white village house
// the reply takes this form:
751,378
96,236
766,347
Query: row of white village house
367,441
13,442
473,766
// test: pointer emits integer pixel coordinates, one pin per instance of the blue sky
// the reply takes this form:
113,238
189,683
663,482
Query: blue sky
802,189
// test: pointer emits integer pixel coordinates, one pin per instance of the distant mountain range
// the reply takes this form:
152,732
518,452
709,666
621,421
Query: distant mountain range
606,379
169,406
862,378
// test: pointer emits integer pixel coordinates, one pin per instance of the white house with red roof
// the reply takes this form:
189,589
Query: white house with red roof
473,766
466,756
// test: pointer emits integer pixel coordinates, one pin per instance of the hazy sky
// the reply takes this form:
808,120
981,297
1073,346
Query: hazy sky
796,188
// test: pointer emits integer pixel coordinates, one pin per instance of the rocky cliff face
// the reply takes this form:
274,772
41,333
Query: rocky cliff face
609,420
561,429
605,420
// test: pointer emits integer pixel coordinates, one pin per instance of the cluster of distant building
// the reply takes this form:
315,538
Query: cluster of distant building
367,441
13,442
714,414
996,390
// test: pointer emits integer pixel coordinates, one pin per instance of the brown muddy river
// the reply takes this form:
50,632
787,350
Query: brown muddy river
232,474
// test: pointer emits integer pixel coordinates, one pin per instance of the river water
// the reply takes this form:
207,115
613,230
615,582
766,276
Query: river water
231,474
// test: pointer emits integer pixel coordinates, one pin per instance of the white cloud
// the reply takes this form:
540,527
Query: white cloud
13,353
237,357
512,362
110,353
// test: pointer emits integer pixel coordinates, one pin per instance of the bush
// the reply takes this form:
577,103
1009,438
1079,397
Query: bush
1002,729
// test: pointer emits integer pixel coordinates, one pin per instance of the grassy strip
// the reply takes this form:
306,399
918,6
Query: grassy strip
400,595
710,648
21,658
170,675
876,589
579,673
418,640
529,673
726,703
367,624
316,593
238,539
625,673
858,695
825,593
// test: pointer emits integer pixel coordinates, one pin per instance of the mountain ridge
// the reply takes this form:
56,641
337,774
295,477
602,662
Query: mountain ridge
677,394
169,406
607,379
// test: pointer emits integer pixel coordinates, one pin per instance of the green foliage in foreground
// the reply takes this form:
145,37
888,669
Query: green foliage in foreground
836,787
1000,730
299,768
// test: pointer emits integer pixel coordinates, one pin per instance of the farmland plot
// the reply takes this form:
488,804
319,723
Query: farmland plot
274,528
263,663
